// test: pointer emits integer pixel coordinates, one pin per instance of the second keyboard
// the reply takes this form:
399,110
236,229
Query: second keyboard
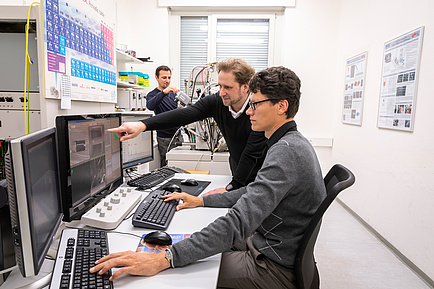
149,180
153,212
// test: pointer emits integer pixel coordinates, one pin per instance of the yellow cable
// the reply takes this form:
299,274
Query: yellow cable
27,59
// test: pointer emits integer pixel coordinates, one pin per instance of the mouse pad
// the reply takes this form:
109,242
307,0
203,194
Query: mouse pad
192,190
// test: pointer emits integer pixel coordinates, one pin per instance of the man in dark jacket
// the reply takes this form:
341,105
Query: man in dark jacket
160,100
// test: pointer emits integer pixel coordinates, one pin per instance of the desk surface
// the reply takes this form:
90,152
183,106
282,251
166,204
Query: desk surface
201,274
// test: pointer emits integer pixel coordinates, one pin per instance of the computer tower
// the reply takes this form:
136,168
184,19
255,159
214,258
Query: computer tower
7,251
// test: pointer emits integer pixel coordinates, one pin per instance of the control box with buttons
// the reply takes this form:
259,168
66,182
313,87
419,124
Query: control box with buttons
112,210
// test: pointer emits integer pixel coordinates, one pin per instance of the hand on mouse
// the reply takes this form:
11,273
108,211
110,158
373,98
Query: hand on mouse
133,263
188,201
215,191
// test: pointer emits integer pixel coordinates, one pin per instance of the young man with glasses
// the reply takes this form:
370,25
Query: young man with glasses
227,107
260,235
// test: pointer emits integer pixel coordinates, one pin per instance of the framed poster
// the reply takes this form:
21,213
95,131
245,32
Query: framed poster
401,60
355,72
79,50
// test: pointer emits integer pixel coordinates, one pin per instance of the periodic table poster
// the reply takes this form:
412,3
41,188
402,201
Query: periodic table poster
79,49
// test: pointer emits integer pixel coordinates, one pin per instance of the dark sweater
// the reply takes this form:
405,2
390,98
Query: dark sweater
246,147
159,102
276,208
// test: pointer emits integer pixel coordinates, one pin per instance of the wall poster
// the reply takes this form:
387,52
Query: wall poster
401,60
79,43
355,72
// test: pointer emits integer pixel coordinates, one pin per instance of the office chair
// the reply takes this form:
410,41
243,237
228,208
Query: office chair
306,271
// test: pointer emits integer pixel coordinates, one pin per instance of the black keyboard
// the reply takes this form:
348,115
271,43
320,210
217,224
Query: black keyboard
77,253
153,212
150,180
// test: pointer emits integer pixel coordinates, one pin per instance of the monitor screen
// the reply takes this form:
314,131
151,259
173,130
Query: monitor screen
138,150
89,161
34,195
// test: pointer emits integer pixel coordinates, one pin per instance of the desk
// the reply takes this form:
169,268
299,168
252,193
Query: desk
201,274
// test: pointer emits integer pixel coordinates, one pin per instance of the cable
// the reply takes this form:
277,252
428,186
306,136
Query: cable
124,233
173,137
190,79
8,269
26,103
209,88
194,82
132,214
27,59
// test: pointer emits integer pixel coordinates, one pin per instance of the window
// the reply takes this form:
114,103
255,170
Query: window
203,39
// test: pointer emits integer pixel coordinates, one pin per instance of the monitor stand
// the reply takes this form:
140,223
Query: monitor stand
16,281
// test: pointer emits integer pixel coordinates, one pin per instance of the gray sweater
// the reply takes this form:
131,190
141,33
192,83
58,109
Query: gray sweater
275,208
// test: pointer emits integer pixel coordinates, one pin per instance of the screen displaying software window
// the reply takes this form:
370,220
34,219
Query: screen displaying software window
94,156
90,161
138,150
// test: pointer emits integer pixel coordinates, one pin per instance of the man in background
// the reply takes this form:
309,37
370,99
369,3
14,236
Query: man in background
160,100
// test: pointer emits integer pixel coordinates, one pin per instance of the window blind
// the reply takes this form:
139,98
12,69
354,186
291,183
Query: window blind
243,38
194,45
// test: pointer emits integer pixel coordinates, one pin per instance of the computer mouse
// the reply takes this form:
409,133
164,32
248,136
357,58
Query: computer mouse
158,238
189,182
172,188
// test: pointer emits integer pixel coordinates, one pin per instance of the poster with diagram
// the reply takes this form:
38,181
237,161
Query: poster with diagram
401,60
355,72
79,49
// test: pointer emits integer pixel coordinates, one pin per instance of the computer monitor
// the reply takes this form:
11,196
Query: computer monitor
138,150
90,160
34,197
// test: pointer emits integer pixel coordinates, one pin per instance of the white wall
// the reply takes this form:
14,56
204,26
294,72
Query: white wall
310,50
394,170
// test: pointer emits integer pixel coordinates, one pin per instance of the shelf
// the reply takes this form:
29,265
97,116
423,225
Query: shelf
124,84
123,57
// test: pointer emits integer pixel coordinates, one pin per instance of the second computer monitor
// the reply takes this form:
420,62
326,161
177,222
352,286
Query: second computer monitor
138,150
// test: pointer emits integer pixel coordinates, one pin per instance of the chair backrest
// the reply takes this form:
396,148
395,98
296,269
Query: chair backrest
306,272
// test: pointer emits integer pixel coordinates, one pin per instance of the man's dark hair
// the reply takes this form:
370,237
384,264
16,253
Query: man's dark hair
242,71
162,67
279,83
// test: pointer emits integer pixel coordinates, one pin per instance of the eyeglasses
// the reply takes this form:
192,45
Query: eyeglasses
253,104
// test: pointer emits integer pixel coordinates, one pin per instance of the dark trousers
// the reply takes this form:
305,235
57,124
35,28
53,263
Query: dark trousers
163,143
246,267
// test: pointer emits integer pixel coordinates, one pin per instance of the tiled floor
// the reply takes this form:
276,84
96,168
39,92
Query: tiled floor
350,257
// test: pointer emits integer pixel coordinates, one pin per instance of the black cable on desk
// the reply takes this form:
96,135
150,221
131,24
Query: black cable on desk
124,233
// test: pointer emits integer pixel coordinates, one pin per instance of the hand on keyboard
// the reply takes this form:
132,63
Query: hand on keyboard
130,262
188,200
